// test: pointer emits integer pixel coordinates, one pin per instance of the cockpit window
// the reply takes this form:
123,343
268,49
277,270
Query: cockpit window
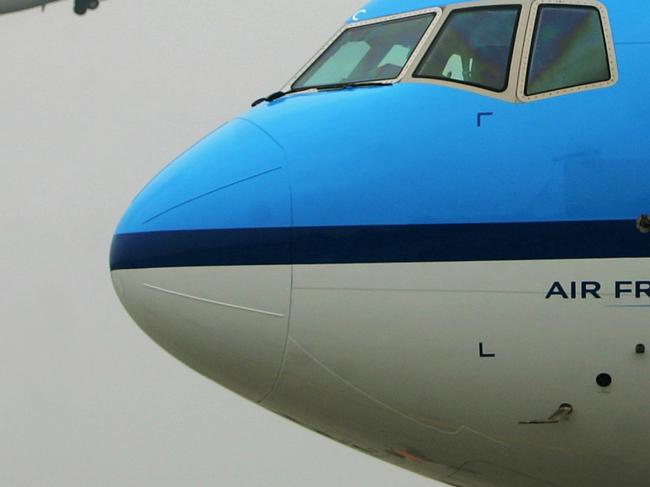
374,52
568,49
474,47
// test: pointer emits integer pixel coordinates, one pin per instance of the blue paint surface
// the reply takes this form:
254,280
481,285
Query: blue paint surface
383,8
235,177
412,154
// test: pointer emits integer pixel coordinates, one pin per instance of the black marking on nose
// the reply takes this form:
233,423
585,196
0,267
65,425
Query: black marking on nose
480,115
483,354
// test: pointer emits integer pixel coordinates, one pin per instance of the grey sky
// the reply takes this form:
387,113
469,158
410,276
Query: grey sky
90,109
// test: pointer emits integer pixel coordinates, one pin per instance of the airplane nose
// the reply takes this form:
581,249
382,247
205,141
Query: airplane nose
201,258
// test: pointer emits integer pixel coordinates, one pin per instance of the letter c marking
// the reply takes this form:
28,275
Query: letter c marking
356,18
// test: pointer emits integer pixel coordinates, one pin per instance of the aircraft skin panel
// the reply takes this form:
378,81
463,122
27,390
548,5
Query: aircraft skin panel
425,172
237,174
383,331
228,323
430,175
472,332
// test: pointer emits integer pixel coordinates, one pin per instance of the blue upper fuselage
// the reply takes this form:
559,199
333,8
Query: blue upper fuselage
413,154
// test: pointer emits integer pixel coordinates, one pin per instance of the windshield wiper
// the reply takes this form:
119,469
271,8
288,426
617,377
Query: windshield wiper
338,86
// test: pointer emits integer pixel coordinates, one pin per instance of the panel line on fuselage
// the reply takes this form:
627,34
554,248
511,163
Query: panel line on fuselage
212,301
421,422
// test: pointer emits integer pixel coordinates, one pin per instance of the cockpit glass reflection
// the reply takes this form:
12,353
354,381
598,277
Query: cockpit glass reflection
474,47
569,49
373,52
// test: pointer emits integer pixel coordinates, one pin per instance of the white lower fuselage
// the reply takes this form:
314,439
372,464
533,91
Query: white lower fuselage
430,366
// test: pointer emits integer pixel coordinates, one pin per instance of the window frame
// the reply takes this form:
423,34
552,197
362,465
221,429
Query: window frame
424,41
510,93
513,46
520,58
531,35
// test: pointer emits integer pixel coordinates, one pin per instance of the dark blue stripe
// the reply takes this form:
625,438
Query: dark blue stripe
374,244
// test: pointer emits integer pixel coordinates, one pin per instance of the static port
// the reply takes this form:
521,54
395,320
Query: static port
643,224
604,380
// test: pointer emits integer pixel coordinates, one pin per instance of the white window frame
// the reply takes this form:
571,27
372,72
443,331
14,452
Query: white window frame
528,44
510,93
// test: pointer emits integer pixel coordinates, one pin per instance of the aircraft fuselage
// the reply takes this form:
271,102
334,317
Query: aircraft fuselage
426,270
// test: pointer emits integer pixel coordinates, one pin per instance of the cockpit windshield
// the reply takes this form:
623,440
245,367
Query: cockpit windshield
373,52
474,47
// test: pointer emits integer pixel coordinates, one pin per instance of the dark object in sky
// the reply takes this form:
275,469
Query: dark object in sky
82,6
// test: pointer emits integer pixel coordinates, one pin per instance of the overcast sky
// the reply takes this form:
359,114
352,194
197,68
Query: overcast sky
90,109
